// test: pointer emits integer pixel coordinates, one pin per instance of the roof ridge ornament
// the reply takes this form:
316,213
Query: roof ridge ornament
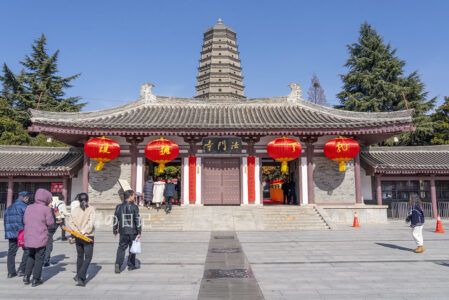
295,93
146,94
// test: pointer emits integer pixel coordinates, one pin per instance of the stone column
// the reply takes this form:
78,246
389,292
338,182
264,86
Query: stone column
357,180
378,190
85,174
10,191
65,181
310,148
433,197
134,142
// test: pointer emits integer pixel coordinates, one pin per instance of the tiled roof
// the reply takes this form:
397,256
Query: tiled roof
178,114
406,160
39,161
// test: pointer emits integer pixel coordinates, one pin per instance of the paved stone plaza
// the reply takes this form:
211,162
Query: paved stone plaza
367,263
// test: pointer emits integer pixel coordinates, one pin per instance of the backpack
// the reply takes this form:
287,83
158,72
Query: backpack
21,238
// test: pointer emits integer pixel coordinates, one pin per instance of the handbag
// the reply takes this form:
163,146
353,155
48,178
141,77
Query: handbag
136,247
21,238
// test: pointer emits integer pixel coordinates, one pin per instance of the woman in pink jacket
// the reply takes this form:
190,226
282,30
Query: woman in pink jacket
37,218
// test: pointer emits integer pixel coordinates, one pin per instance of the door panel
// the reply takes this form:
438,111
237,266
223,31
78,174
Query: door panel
221,181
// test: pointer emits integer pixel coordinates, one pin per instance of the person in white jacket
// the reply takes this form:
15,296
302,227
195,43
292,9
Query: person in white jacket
61,213
158,193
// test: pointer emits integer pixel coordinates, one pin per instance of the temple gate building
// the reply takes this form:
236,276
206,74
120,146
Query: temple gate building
220,113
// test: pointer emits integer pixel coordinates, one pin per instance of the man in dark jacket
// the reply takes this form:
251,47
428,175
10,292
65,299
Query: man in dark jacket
127,224
148,191
416,219
13,221
51,232
169,194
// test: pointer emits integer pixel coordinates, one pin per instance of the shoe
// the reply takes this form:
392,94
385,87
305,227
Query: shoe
11,275
64,239
81,282
46,265
132,268
26,279
36,282
21,274
117,269
419,249
75,278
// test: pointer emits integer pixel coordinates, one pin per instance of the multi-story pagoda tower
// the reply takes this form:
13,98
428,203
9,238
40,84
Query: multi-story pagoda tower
220,71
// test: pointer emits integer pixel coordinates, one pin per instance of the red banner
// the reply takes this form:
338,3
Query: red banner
192,179
251,179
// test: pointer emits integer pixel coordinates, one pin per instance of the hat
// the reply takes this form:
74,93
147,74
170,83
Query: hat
25,193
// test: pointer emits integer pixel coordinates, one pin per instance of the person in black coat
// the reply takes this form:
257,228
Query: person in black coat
416,219
169,194
286,191
51,232
127,225
148,191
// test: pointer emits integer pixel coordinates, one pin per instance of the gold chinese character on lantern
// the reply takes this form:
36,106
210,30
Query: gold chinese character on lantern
165,150
104,148
293,147
342,147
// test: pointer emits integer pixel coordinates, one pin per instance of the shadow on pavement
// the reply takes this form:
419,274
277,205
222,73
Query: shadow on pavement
392,246
3,254
50,272
93,271
58,258
442,263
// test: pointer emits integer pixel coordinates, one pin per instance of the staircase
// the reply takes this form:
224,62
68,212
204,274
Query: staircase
233,218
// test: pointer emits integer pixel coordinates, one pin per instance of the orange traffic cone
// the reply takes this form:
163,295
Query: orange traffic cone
439,228
356,221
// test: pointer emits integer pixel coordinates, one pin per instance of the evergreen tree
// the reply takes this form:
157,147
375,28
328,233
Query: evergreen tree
316,92
441,119
37,86
376,82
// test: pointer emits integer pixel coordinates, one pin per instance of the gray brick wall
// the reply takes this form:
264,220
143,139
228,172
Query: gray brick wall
103,185
332,186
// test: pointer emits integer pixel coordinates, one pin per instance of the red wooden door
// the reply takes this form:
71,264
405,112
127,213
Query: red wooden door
221,181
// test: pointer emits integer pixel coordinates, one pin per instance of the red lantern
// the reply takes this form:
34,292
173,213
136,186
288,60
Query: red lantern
101,149
283,150
341,150
161,151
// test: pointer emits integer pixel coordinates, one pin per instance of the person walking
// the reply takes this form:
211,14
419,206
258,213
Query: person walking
416,219
148,191
13,223
51,232
83,220
37,219
60,209
169,194
158,193
127,225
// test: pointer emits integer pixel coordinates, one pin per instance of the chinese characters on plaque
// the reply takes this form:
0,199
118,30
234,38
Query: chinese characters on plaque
222,145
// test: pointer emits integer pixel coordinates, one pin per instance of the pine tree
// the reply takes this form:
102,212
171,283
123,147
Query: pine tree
441,119
376,82
37,86
316,92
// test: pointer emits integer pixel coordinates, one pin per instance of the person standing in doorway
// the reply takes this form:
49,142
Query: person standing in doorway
148,191
13,222
37,219
158,192
292,191
127,225
286,191
416,219
83,220
169,194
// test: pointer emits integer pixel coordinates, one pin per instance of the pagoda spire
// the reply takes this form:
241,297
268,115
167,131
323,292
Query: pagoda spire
220,70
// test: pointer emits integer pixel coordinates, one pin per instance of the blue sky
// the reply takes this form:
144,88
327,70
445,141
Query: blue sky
118,45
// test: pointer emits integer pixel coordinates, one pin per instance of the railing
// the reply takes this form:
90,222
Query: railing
443,209
2,209
399,210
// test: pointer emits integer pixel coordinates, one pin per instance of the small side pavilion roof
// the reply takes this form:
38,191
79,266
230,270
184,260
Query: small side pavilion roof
411,160
39,161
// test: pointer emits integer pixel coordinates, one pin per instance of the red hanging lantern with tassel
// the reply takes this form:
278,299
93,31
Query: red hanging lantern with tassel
161,151
341,150
101,149
283,150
